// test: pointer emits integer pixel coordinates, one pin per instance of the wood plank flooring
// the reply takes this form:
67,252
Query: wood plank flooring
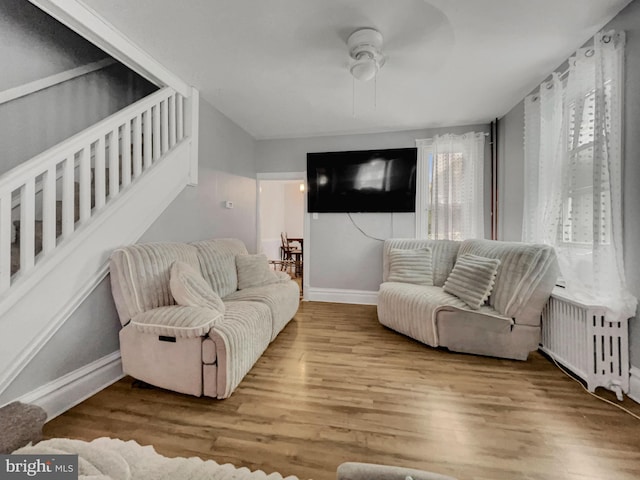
337,386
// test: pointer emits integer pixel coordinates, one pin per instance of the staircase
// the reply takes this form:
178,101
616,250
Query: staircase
72,182
65,210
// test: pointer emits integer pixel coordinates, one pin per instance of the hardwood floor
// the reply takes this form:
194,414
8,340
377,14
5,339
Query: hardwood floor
336,386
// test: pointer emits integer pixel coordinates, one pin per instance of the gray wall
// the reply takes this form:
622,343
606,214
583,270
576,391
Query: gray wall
226,172
511,174
33,46
512,159
340,255
89,334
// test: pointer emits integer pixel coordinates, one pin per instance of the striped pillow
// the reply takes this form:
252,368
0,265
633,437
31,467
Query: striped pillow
411,266
190,289
254,271
472,279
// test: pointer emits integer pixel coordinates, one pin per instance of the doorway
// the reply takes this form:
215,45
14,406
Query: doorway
281,206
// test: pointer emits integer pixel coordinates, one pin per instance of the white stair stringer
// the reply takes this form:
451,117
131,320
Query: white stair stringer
46,299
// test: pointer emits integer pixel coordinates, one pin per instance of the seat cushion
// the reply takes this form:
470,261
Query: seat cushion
176,321
282,298
411,309
240,337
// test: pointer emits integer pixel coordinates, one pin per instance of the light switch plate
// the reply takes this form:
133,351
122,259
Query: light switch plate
314,215
228,204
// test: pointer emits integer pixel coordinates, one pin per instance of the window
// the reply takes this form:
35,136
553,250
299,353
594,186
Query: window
450,187
573,173
580,224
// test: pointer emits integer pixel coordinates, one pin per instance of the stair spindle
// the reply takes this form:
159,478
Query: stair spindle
49,210
68,196
137,146
5,241
156,132
125,151
99,174
146,151
114,168
180,114
85,185
27,225
172,121
164,125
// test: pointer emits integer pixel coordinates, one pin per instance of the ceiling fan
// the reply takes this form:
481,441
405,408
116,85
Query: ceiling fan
365,48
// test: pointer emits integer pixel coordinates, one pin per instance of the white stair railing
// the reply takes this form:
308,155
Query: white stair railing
118,150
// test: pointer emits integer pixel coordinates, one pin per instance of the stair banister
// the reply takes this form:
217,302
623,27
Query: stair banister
129,155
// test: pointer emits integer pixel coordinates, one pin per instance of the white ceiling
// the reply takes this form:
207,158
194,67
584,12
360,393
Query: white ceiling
278,68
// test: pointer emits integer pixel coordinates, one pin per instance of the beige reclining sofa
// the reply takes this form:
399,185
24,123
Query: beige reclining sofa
415,297
231,306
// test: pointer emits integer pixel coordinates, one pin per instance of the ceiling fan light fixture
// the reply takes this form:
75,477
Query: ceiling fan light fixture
365,47
364,69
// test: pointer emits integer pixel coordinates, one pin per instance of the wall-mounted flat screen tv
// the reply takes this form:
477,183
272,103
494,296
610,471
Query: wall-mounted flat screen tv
362,181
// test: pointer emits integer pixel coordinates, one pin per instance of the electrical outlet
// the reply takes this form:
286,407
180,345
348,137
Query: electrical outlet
228,204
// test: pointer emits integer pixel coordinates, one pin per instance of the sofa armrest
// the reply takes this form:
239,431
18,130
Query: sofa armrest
176,321
370,471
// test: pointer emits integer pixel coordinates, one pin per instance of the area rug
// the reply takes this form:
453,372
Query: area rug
114,459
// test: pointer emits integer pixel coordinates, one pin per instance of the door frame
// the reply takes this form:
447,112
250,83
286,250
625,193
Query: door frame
288,176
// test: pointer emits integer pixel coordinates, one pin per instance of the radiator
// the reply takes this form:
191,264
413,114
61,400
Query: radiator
580,337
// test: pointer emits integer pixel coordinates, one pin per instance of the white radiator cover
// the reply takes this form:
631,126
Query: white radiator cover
581,338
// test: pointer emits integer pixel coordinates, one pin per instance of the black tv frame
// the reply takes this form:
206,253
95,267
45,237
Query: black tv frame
338,199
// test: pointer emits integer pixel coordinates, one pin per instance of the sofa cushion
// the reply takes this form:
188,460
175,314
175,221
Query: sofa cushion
525,278
282,298
472,279
176,321
443,255
241,336
218,263
410,266
411,309
254,271
191,290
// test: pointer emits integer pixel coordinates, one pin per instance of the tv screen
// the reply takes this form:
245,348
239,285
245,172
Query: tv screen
362,181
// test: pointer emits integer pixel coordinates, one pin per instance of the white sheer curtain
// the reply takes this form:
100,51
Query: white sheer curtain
456,187
573,171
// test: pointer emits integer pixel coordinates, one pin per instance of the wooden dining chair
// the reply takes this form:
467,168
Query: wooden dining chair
291,256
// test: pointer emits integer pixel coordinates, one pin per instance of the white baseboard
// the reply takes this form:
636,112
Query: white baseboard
634,384
337,295
61,394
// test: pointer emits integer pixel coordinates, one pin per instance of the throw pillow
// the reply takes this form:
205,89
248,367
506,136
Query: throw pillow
411,266
254,271
472,279
190,289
